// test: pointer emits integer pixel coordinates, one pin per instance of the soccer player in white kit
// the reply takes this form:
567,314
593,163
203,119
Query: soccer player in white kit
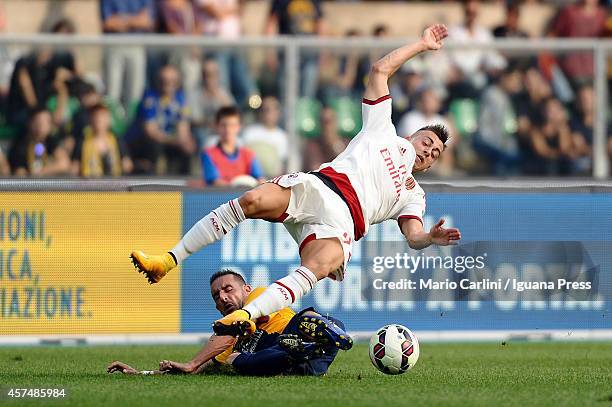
325,211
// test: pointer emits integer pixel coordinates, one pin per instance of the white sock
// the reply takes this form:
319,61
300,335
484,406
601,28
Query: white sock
209,229
282,293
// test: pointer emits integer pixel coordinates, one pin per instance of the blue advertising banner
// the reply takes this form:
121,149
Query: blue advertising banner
264,252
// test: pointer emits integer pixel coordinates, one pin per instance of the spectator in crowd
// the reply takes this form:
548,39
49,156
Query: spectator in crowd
269,142
510,27
88,97
62,101
496,137
529,110
99,153
5,169
41,153
428,112
328,145
585,19
353,70
178,17
296,17
204,103
36,78
610,146
227,163
61,107
338,74
347,75
470,63
65,56
221,18
582,124
7,64
62,104
161,128
406,88
552,142
365,63
129,62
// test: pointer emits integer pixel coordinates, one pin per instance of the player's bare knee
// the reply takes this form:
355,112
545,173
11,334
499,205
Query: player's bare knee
321,268
250,202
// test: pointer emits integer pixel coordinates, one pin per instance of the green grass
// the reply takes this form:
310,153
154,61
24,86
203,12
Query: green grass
552,374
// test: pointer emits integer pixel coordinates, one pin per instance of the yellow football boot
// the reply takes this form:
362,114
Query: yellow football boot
153,267
238,323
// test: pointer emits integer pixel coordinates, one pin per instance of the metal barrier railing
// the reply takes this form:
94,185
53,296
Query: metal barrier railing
128,184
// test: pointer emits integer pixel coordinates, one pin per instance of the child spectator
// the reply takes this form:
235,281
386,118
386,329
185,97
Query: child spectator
99,153
40,153
226,162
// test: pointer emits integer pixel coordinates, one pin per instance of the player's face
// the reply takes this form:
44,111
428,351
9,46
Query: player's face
229,293
428,149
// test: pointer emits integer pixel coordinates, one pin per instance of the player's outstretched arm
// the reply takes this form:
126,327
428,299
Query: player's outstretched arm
117,366
385,67
215,346
418,239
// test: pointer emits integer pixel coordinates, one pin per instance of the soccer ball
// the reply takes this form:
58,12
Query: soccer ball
394,349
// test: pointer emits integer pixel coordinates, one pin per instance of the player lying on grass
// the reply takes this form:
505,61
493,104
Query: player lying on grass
284,342
327,210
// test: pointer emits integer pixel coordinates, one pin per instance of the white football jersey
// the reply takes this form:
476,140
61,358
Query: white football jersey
378,165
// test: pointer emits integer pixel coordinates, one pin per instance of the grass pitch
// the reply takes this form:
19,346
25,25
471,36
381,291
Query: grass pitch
552,374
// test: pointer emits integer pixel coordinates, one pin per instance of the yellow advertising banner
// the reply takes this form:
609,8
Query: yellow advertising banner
65,267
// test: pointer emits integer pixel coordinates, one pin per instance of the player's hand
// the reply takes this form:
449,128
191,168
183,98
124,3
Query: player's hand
433,36
121,367
175,367
442,236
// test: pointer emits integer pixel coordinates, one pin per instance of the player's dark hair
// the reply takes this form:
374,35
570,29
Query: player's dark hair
439,130
227,111
226,272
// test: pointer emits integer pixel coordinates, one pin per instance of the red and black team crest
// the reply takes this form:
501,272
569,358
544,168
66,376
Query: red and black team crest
410,183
